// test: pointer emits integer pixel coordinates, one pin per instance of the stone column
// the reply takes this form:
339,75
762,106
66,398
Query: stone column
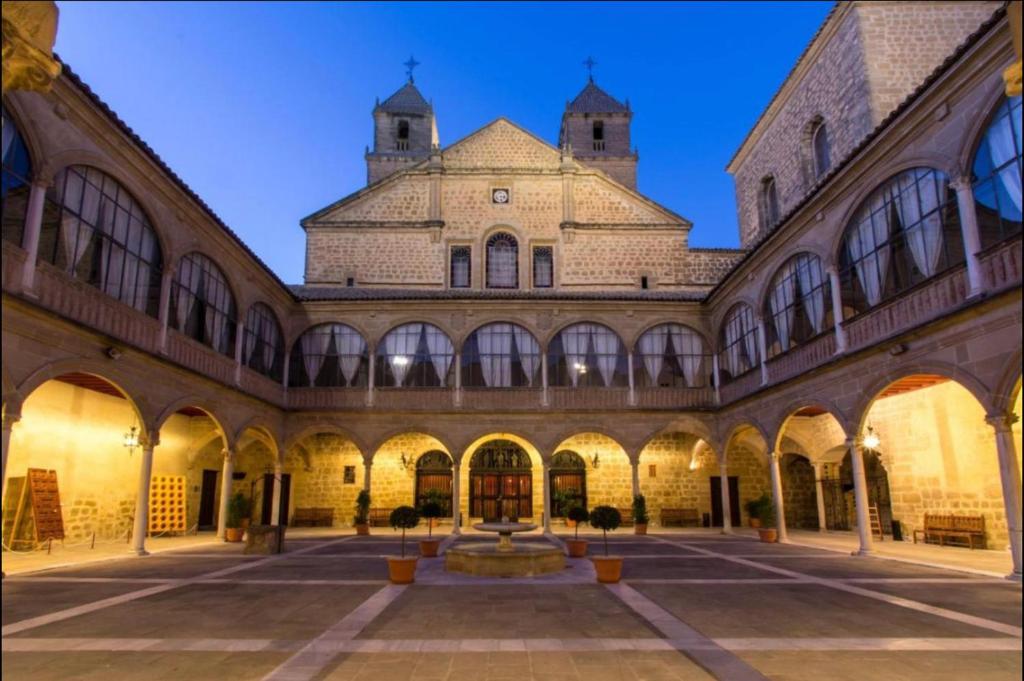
239,344
632,388
717,377
1009,474
371,380
33,225
547,496
166,281
780,504
367,465
969,231
456,498
286,371
275,499
142,497
635,465
458,379
860,496
8,427
225,491
544,400
762,349
837,308
819,495
726,507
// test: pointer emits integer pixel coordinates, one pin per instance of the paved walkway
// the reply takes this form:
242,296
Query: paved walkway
692,605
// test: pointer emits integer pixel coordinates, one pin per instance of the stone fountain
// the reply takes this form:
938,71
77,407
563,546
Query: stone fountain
504,559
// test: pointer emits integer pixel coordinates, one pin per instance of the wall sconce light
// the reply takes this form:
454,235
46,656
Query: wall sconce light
406,461
580,367
400,360
870,440
595,460
131,440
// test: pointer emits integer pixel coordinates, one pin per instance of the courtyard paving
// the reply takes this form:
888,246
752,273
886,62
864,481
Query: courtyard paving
692,605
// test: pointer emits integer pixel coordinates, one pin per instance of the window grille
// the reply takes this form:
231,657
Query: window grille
543,267
738,343
202,306
460,266
502,261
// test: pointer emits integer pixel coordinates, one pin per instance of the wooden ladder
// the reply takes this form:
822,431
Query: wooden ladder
876,522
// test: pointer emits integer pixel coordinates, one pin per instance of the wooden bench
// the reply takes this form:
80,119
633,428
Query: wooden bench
627,516
312,517
684,517
963,528
380,517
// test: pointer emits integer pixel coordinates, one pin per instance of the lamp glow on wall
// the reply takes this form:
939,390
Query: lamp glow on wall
694,465
131,440
870,439
580,367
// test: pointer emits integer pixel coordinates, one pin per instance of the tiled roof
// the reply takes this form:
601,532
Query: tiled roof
103,107
887,122
593,99
325,293
407,100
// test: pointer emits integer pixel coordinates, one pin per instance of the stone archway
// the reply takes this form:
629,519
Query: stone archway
500,481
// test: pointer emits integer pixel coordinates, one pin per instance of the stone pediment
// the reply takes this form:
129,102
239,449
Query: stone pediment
501,145
400,199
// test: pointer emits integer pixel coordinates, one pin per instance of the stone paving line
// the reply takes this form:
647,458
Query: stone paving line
972,620
570,645
60,615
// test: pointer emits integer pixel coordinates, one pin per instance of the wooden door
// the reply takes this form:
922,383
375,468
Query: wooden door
716,501
208,500
267,505
286,495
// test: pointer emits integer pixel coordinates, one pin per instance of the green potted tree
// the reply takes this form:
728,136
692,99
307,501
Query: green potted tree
767,532
239,508
430,509
609,568
362,517
753,508
577,547
640,515
402,569
563,500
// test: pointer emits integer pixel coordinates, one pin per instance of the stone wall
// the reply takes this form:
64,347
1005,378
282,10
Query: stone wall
611,483
317,470
799,493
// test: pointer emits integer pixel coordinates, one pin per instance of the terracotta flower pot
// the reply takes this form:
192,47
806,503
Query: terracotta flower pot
640,528
609,568
428,547
402,570
570,523
245,523
233,534
768,535
362,528
577,547
755,522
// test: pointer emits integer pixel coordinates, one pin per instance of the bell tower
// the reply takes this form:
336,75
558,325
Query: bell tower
404,130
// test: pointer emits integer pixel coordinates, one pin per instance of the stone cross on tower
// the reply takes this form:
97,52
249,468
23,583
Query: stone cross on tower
590,64
409,66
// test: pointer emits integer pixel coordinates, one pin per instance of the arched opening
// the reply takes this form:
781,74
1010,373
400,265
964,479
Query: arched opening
678,474
255,467
768,203
737,341
502,261
671,356
415,355
568,482
405,467
587,355
326,473
17,181
262,343
798,490
329,355
748,477
822,150
434,478
812,443
500,481
925,437
604,467
997,175
202,304
798,306
501,356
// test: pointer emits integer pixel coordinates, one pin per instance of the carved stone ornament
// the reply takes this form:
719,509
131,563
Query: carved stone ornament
29,31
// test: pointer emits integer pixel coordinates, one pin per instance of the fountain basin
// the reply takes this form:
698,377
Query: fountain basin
523,559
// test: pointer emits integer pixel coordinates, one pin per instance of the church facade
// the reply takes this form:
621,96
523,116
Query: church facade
506,321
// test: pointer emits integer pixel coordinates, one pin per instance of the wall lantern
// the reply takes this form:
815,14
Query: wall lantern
131,440
870,440
406,461
595,460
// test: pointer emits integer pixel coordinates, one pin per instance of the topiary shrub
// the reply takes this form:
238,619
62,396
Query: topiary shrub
431,510
761,508
578,515
640,515
362,508
404,518
239,508
605,518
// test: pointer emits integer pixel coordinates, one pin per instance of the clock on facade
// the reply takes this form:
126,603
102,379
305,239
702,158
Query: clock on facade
499,196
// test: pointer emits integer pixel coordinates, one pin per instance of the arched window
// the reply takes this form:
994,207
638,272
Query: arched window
738,343
262,345
501,356
672,356
798,306
568,481
769,202
415,356
402,140
598,135
997,173
587,355
906,231
95,231
329,356
434,477
17,179
502,261
202,306
822,150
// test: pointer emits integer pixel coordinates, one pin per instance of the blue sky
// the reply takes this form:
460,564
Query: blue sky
264,108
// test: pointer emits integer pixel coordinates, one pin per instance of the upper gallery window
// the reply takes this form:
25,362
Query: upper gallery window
202,306
501,356
17,178
262,345
460,266
672,355
94,230
769,203
415,355
798,304
588,355
543,267
502,261
738,342
906,231
329,356
997,173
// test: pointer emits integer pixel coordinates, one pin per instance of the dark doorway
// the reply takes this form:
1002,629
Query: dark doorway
840,508
208,500
500,482
266,514
434,473
734,501
286,495
568,475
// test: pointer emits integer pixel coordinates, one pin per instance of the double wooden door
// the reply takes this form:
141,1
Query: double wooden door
494,495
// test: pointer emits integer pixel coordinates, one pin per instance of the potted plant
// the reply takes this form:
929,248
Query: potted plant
766,512
640,515
239,508
609,568
563,500
402,569
754,507
577,547
430,509
362,517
